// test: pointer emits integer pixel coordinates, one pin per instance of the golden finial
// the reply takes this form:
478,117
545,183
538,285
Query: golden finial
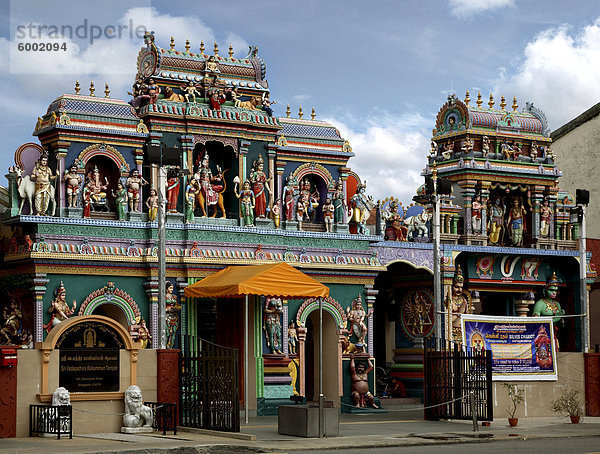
77,87
106,90
172,43
92,89
300,112
467,98
187,45
479,100
216,49
230,51
202,47
313,114
434,170
491,103
288,111
515,106
502,102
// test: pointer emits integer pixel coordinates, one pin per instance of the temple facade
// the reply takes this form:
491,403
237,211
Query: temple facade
246,187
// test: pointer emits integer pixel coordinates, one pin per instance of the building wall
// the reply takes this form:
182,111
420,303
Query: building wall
110,420
576,155
539,394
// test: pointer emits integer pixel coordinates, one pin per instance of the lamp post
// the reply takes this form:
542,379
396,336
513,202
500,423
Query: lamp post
162,268
582,199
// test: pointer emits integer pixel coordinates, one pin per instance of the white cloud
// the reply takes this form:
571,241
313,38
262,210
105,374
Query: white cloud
390,154
301,97
559,72
463,8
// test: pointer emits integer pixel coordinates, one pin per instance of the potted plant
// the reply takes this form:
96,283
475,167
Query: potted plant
516,396
569,404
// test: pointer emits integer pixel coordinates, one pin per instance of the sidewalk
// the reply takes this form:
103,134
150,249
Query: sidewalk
356,431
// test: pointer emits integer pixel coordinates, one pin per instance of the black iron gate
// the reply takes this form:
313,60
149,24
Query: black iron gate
452,377
208,386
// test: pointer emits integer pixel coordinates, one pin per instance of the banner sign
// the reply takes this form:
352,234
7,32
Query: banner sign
522,348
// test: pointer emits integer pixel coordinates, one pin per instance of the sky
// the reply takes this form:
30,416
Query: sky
379,70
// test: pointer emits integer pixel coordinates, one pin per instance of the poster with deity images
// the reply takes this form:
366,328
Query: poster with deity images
523,348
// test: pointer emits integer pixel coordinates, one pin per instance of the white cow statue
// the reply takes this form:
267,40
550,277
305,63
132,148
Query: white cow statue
26,189
417,223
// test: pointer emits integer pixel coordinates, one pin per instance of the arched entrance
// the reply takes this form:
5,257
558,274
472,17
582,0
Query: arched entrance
334,321
112,311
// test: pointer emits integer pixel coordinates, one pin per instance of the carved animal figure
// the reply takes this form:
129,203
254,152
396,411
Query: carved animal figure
250,105
61,396
417,223
136,413
26,189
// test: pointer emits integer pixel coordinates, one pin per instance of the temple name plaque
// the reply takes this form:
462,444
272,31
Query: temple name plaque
89,370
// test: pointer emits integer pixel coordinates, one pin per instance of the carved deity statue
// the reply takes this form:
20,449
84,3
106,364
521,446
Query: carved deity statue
395,220
357,318
72,182
42,177
136,413
59,308
172,312
339,202
516,222
247,202
359,374
120,200
272,323
173,186
190,199
495,221
476,210
458,301
289,197
545,218
485,146
361,209
548,305
276,213
211,187
260,185
310,198
152,205
328,214
12,321
134,185
292,338
97,187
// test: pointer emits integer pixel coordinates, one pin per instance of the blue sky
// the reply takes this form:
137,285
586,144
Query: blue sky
378,70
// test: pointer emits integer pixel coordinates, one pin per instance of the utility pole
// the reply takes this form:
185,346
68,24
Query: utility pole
162,271
585,320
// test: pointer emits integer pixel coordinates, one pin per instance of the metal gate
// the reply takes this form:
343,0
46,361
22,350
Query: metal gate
208,385
452,377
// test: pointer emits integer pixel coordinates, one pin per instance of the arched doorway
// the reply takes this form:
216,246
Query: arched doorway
331,352
107,169
112,311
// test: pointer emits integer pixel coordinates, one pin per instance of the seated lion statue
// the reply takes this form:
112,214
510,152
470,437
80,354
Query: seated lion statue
61,396
136,413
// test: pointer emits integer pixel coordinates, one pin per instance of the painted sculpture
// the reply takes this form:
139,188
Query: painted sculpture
120,200
458,302
310,199
516,222
172,312
152,205
247,203
276,213
272,324
12,323
134,186
548,305
361,209
173,186
357,317
143,334
211,188
42,176
97,187
545,218
289,197
59,308
136,413
495,221
72,181
476,210
395,221
328,214
339,202
260,186
416,226
292,338
359,375
300,210
190,199
267,103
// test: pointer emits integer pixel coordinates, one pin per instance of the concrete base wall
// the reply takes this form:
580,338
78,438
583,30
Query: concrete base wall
539,394
88,416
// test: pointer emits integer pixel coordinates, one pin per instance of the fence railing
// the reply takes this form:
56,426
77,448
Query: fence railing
165,416
51,419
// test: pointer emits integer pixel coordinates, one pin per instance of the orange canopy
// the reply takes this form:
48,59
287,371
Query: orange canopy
279,279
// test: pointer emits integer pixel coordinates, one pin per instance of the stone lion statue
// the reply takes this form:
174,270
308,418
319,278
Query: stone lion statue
136,413
61,396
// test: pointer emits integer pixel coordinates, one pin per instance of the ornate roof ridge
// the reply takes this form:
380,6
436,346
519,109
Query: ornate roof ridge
97,99
305,121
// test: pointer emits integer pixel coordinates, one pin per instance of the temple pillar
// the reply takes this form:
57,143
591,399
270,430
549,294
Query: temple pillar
182,283
138,155
370,295
344,177
271,155
151,286
284,327
301,333
60,151
187,151
39,282
485,194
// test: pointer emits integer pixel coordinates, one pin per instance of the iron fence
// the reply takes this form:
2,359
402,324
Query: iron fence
209,390
452,379
51,419
165,416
